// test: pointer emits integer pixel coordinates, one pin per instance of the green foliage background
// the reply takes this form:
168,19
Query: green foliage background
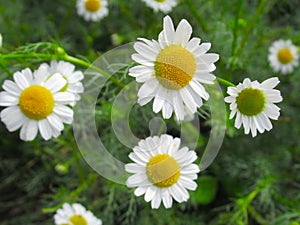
252,181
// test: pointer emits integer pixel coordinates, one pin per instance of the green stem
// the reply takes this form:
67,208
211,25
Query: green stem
88,65
66,19
128,14
227,83
256,215
197,15
75,153
251,26
63,57
235,29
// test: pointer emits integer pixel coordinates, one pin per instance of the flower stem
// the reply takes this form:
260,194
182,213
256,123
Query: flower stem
65,57
227,83
197,15
251,26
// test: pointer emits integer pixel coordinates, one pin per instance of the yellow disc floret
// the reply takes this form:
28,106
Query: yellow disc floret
92,5
36,102
160,1
285,55
163,170
251,102
78,220
175,67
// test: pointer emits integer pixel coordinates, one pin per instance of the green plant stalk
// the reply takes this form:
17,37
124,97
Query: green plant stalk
256,215
65,57
127,13
197,15
225,82
251,26
244,202
235,29
66,19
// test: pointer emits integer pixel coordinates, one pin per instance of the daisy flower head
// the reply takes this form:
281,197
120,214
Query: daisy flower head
161,5
75,214
33,104
67,70
162,171
92,10
173,69
253,104
283,56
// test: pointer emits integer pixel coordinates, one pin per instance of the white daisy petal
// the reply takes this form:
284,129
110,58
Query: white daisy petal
55,83
29,130
24,78
7,99
183,33
13,118
11,88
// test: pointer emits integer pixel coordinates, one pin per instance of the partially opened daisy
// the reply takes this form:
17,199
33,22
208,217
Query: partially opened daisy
75,214
173,70
162,171
92,10
67,70
253,104
283,56
161,5
34,105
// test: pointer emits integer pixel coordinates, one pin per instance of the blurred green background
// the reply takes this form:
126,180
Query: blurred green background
252,181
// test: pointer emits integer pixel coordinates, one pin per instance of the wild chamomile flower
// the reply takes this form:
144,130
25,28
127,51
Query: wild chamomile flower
92,10
173,69
67,70
34,105
162,171
283,56
253,104
75,214
161,5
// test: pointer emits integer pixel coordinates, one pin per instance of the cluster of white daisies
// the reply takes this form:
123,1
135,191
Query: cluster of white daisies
96,10
173,71
41,101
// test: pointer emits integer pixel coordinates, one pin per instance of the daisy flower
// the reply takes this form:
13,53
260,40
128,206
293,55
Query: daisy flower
172,70
253,104
0,40
283,56
75,214
34,105
67,70
161,5
93,10
162,171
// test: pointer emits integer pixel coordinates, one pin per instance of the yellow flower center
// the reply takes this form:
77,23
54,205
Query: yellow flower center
285,55
36,102
92,5
163,170
175,67
251,102
160,1
77,220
